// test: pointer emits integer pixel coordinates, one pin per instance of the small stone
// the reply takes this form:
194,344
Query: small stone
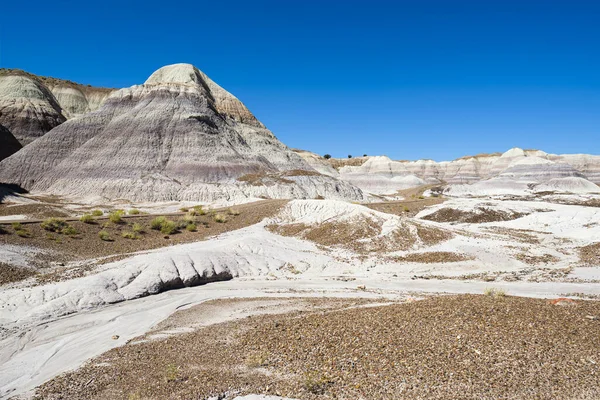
115,337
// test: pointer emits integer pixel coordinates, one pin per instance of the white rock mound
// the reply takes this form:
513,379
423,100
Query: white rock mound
568,185
27,108
177,137
380,175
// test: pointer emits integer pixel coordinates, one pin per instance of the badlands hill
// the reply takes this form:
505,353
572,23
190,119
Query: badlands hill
32,105
179,136
8,143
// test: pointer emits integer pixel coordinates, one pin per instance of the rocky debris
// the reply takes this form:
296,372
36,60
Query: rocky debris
179,136
445,347
476,216
8,143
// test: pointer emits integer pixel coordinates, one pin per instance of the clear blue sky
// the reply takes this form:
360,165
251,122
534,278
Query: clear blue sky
409,79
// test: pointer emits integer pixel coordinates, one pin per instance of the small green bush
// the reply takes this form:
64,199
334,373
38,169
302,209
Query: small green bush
87,219
115,217
134,211
23,233
233,211
103,235
327,156
157,223
199,210
220,218
54,224
130,235
137,228
493,292
16,226
191,227
168,227
97,213
68,230
184,209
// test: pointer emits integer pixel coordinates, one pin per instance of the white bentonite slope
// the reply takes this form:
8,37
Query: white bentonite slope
180,137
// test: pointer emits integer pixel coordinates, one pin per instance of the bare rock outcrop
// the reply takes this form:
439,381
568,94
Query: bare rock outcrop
179,136
27,108
8,143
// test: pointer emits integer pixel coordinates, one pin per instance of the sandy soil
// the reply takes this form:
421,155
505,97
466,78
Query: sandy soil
458,347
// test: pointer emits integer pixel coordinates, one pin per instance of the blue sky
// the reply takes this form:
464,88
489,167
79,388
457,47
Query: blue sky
409,79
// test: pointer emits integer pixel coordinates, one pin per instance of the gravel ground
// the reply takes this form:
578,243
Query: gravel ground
446,347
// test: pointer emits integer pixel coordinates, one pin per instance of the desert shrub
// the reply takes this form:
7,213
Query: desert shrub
199,210
406,209
16,226
54,224
316,382
184,209
421,197
493,292
97,213
233,211
191,227
68,230
137,228
220,218
115,217
327,156
168,227
349,155
134,211
103,235
23,233
157,223
87,219
130,235
364,155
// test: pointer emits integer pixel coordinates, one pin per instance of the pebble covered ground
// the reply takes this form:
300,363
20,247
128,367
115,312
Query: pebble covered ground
444,347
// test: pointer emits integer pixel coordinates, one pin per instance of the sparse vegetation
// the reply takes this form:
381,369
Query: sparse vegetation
257,359
69,231
54,225
199,210
494,292
168,227
24,233
105,236
115,217
184,209
130,235
327,156
171,373
349,155
220,218
233,211
137,228
97,213
316,382
164,225
134,211
87,219
191,227
17,226
157,223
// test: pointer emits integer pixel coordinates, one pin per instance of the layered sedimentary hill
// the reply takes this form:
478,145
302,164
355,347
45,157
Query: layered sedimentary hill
8,143
179,136
32,105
